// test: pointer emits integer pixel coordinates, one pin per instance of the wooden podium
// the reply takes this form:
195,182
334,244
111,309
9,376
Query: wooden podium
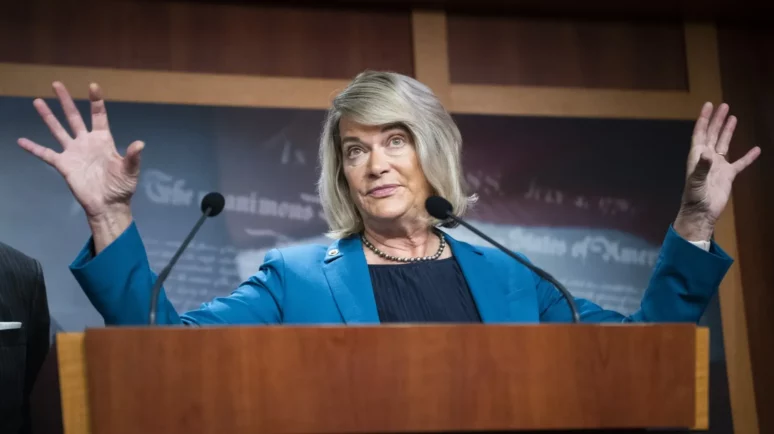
367,379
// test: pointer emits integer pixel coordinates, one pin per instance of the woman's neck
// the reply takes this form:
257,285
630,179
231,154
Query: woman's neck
405,243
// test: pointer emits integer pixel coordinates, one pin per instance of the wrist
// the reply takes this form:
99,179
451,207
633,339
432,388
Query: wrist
108,225
693,227
108,214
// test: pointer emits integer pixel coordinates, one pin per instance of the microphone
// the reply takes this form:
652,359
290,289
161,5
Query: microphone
212,205
441,209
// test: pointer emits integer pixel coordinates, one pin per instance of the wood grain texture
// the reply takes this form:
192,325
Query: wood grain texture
71,354
701,58
248,91
701,51
702,372
605,103
748,87
566,102
390,378
508,50
431,60
206,37
171,87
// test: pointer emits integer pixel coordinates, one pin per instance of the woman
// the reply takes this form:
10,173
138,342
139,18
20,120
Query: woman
386,146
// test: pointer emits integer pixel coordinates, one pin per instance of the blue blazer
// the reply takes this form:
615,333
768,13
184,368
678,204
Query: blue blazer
317,284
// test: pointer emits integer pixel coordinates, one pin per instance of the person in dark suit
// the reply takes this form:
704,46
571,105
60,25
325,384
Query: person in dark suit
22,348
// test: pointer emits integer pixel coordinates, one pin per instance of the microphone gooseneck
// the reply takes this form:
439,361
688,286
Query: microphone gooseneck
441,209
212,205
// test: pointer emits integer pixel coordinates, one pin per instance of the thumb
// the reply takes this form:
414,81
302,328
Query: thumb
703,166
132,159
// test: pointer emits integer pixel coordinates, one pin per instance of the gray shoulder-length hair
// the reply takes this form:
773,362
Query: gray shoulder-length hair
382,98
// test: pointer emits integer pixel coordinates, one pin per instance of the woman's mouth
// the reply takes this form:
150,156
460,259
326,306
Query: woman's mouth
383,190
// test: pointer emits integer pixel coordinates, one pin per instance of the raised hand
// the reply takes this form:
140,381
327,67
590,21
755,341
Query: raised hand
98,176
709,175
101,180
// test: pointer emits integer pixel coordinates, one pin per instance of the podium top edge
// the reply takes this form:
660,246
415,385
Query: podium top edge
436,326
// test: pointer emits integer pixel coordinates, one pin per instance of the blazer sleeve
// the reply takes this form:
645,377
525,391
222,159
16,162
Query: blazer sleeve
119,279
684,279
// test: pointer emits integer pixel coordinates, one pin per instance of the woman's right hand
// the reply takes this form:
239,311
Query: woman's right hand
101,180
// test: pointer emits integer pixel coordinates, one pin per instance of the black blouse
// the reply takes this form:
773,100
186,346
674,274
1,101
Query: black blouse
430,291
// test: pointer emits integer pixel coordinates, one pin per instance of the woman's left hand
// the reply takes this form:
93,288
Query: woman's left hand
709,174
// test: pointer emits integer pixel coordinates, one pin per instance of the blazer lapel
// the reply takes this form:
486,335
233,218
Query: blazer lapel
482,281
346,270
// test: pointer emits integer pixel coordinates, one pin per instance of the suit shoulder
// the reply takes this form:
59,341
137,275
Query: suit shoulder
303,260
25,276
303,253
12,258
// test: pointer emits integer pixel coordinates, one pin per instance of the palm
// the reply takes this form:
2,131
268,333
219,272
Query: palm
709,175
95,172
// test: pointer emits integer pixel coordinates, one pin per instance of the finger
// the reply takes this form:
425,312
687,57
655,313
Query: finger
700,129
52,122
46,154
716,124
132,159
71,112
742,163
725,137
99,119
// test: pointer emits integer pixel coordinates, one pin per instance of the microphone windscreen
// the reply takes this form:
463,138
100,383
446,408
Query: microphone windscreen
215,202
438,207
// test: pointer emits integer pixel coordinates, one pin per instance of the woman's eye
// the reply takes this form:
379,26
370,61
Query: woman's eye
397,141
354,152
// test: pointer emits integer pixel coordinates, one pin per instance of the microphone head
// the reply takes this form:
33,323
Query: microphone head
215,202
438,207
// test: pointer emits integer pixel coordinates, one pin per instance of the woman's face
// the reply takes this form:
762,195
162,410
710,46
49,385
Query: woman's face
382,169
